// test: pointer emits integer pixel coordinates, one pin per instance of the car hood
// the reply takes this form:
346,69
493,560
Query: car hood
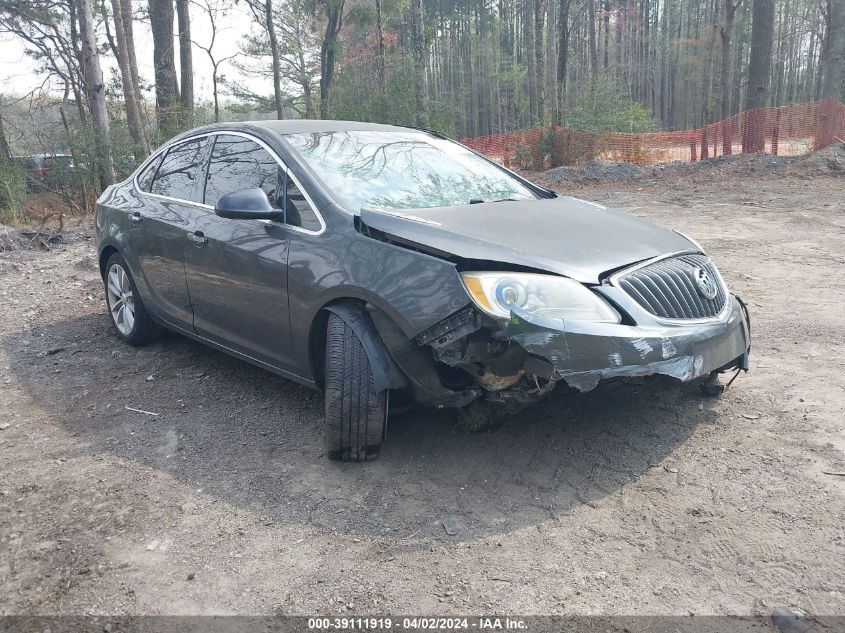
563,235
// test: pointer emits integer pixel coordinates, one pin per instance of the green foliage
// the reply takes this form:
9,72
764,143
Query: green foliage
12,193
605,109
122,147
523,156
358,97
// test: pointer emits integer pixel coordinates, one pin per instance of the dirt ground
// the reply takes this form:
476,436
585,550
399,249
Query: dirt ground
631,499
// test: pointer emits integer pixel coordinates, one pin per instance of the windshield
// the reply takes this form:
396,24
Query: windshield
403,170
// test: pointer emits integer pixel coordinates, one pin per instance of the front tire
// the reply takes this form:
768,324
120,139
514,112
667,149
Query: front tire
355,413
128,314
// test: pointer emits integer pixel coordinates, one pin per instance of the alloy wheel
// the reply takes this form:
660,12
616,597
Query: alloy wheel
121,299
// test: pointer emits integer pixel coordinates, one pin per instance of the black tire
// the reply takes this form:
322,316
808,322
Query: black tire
355,413
143,329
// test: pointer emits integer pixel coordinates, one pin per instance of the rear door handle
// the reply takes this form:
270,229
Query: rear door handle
197,237
137,218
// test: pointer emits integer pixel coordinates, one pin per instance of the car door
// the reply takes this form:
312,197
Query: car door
158,230
237,269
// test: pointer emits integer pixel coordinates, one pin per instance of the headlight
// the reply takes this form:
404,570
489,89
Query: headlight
544,295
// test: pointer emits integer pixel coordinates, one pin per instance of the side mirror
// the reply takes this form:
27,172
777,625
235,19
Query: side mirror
248,204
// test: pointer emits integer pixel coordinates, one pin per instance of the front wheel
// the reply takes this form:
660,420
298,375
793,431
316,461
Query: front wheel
128,315
355,413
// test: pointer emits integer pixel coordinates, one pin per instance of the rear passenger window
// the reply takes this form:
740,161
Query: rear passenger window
179,170
145,178
239,163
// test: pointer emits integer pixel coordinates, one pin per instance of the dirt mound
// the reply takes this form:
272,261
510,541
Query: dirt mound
738,165
830,159
596,171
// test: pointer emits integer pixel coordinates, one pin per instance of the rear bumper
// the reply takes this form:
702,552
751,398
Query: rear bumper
582,354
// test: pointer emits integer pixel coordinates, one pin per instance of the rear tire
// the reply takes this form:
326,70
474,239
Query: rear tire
128,315
355,413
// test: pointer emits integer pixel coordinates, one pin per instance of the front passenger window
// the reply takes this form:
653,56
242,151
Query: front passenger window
238,163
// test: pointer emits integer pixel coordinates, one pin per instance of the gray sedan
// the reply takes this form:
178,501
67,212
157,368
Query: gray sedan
367,259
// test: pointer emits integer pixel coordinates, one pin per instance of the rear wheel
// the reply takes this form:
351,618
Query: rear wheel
355,413
128,315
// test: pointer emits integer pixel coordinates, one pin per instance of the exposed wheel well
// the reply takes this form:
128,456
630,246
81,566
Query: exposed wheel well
317,339
107,252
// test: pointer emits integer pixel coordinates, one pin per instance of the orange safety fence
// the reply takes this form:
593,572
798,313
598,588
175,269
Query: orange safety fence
789,130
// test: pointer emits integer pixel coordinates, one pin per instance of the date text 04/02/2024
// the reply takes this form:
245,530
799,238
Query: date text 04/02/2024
416,624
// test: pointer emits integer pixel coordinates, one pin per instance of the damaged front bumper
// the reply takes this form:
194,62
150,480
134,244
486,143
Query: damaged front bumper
516,362
582,353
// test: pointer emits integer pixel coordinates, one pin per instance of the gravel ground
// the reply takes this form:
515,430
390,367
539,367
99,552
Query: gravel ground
631,499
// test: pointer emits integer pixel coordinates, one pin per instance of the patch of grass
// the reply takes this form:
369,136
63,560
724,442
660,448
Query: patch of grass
12,194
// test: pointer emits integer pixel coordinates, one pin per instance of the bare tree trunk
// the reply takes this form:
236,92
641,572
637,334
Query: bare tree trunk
833,61
305,79
562,58
528,47
77,52
5,151
539,63
833,69
621,21
186,64
725,34
606,42
214,82
381,58
74,155
591,31
167,88
759,68
707,91
418,44
126,15
277,66
96,93
133,113
328,53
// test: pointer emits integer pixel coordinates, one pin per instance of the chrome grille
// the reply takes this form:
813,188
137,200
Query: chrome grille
668,289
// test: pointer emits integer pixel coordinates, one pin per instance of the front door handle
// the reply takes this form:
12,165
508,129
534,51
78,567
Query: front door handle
137,218
197,237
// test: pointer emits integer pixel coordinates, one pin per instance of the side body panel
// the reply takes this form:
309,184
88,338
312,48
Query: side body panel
237,281
160,246
245,287
159,241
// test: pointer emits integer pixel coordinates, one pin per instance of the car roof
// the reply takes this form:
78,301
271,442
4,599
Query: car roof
299,126
295,126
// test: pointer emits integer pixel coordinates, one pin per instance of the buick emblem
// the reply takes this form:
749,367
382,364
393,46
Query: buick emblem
705,283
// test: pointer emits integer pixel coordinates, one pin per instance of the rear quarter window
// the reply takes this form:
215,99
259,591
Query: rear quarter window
145,178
